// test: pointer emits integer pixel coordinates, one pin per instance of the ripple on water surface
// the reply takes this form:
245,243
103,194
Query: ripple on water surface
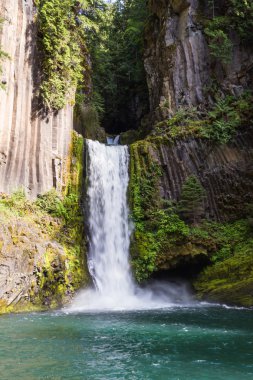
178,343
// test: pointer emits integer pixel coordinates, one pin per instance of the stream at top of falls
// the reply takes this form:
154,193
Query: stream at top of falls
109,240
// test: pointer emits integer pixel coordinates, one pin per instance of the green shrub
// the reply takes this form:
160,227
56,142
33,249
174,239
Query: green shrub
220,45
190,205
227,115
234,16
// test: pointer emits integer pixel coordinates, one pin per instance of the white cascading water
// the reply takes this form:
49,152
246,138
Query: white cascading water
108,220
109,230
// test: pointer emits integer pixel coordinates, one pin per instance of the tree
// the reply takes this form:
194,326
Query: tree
190,205
117,61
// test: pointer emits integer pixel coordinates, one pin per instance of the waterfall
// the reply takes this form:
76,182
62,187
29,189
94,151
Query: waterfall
108,220
109,239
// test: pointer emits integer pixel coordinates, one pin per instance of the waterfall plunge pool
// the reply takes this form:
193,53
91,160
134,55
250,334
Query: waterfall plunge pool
161,334
181,343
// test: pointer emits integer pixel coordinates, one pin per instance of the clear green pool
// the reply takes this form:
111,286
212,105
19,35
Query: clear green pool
201,343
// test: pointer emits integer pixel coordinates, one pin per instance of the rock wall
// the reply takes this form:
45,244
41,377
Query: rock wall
23,259
43,245
224,171
33,145
179,67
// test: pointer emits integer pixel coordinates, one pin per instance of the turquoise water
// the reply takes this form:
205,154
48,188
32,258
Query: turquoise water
177,344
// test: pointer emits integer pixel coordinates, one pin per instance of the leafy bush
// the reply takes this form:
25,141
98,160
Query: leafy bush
227,115
220,124
219,44
51,203
222,238
16,202
234,16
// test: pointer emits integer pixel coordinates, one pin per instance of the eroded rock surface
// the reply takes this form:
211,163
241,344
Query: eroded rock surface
25,253
33,145
180,70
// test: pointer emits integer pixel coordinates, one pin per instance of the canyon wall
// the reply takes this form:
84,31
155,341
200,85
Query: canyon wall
180,69
33,144
182,73
191,177
225,172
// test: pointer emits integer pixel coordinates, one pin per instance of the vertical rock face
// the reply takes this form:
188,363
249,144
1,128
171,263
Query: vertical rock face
177,60
225,172
33,146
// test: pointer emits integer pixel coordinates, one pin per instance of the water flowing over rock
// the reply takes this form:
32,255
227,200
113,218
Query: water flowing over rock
33,145
108,220
109,231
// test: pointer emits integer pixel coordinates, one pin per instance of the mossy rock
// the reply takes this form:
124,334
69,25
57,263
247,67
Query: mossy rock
45,240
229,281
129,137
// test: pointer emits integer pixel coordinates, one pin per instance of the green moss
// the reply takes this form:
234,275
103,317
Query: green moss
63,269
129,137
64,55
88,123
231,280
162,240
157,226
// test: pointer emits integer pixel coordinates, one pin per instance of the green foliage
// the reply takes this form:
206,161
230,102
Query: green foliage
219,124
117,56
52,203
219,43
241,18
229,280
62,36
221,239
233,16
15,203
190,205
227,115
157,226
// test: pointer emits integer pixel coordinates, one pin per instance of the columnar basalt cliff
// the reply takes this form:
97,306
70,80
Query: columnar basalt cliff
42,244
192,177
180,69
33,144
225,172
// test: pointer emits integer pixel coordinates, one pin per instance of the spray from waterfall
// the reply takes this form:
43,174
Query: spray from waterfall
109,239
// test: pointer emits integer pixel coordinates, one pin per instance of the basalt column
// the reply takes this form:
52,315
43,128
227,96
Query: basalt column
33,144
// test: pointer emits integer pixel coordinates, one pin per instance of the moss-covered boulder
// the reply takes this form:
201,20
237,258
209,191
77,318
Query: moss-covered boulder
229,281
